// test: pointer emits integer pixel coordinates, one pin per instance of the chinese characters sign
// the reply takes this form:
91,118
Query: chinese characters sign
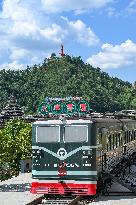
64,107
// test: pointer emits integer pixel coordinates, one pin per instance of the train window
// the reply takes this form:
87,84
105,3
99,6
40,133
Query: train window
134,134
107,147
113,141
129,136
116,140
100,138
125,137
119,139
48,134
128,139
109,143
76,133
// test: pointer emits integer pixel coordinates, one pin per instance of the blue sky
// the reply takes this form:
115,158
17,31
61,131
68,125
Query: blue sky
102,32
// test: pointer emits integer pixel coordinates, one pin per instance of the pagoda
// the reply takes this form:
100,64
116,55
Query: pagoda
12,110
62,51
1,121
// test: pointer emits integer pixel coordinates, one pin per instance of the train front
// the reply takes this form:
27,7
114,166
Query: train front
64,158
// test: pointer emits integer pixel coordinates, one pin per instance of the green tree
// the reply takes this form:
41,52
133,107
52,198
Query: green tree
66,76
15,144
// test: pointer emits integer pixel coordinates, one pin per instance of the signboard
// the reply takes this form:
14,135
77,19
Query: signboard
83,106
57,107
64,106
69,107
44,109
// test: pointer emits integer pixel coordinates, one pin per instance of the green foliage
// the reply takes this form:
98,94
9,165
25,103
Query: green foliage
67,76
63,77
15,144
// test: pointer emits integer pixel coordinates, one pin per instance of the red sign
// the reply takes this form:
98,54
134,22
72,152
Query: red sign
57,107
83,107
69,107
44,108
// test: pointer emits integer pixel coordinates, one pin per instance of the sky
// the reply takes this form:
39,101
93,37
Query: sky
102,32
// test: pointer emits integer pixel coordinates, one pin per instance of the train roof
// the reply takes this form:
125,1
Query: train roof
83,120
128,120
103,120
55,121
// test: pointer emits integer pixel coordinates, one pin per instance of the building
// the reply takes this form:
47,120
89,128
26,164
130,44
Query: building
11,111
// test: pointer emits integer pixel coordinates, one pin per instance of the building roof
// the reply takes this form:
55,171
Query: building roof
12,109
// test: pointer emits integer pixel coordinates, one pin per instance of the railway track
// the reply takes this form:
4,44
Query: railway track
71,200
60,201
120,193
80,200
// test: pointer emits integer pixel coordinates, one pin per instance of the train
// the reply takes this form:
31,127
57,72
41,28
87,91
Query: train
72,154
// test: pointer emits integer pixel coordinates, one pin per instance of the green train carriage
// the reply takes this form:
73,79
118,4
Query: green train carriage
70,155
66,159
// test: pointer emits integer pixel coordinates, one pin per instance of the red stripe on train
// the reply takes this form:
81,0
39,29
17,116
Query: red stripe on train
62,188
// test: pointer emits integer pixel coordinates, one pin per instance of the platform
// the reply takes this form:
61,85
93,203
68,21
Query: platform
15,191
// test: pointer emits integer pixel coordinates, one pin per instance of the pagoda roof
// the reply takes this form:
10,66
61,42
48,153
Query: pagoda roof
12,109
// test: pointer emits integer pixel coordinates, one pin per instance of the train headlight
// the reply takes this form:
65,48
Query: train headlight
33,151
87,152
38,151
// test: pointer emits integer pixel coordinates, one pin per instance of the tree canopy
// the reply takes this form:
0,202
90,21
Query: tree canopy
66,76
15,144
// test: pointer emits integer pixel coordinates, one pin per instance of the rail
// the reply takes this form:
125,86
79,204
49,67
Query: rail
62,201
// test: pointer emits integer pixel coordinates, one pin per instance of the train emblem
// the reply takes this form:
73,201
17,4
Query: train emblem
62,152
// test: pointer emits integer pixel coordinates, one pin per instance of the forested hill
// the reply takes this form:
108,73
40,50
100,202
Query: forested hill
67,76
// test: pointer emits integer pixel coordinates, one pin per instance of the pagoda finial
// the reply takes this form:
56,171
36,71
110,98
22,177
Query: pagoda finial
62,51
12,98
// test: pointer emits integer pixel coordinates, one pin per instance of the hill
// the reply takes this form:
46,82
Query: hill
67,76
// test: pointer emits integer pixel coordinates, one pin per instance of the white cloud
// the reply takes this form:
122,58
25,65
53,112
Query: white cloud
132,3
25,32
131,7
112,12
34,35
78,31
56,6
19,10
123,55
18,54
19,58
54,33
28,33
14,65
25,23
